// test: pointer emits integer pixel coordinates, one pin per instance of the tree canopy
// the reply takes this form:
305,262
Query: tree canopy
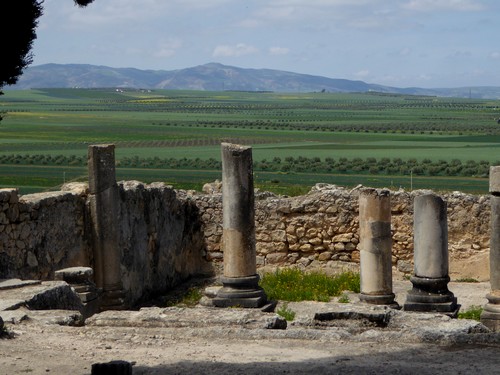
19,34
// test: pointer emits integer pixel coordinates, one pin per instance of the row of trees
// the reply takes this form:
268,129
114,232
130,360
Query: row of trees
410,127
385,166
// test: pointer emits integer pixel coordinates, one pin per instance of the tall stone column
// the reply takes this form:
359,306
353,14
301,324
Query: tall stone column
430,280
103,199
240,280
490,316
375,247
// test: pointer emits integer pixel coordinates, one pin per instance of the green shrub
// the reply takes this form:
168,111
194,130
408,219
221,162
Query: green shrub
473,312
285,312
292,284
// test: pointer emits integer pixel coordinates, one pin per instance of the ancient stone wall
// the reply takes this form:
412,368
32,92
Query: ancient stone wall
40,233
320,229
167,235
160,239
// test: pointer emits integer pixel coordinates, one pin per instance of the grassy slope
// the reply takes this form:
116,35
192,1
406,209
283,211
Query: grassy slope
187,124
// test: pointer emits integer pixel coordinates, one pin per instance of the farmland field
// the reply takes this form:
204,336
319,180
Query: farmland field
298,139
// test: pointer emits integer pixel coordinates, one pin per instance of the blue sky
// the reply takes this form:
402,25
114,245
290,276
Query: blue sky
424,43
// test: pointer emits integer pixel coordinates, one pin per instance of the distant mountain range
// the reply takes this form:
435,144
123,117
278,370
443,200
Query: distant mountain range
217,77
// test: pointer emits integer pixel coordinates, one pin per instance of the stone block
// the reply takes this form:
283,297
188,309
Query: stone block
494,187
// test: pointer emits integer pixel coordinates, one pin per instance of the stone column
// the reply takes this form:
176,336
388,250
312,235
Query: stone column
375,247
430,280
240,280
103,197
490,316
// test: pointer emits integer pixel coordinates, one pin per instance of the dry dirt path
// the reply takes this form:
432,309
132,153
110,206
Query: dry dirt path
155,347
66,350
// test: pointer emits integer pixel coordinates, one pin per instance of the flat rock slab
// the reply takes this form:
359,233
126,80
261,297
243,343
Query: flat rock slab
180,317
16,283
59,317
352,323
46,295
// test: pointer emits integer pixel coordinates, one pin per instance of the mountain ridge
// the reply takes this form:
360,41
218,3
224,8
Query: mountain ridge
214,76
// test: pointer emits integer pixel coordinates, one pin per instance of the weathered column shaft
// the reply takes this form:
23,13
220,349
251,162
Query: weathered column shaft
238,211
103,199
240,280
430,280
490,316
495,243
430,230
375,247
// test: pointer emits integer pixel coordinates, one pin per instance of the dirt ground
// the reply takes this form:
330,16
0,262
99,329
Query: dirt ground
65,350
38,348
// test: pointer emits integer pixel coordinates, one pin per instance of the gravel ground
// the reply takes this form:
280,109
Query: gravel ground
233,341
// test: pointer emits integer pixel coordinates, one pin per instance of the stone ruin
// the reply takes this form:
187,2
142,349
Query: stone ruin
122,243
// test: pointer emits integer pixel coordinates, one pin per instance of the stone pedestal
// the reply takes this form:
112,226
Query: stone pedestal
491,312
80,279
376,247
430,280
240,280
103,199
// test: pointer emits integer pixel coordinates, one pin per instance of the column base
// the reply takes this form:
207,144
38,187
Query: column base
240,292
112,300
380,299
490,317
431,295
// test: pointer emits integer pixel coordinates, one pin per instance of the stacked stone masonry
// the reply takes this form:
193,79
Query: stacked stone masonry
167,235
160,240
321,228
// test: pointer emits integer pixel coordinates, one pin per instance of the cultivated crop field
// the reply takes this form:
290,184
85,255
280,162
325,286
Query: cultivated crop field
298,139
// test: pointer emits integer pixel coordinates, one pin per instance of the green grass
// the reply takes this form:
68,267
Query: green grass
344,298
467,280
191,298
287,313
294,285
473,312
192,124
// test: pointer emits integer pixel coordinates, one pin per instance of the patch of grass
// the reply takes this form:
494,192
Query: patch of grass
191,298
292,284
467,280
473,312
285,312
344,298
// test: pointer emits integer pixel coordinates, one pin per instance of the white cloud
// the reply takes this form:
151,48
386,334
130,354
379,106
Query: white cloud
240,49
495,55
451,5
168,48
362,73
276,51
459,54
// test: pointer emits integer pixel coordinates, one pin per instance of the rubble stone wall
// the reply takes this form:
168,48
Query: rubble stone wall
320,229
167,235
160,238
40,233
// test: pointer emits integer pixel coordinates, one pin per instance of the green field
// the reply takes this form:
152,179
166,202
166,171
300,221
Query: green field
298,139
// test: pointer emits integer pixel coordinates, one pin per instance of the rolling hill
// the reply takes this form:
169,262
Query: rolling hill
216,77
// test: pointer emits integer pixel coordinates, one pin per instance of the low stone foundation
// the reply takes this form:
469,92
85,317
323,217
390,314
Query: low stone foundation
167,235
321,229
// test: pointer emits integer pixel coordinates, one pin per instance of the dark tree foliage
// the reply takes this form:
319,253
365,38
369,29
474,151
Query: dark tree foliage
18,35
83,3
